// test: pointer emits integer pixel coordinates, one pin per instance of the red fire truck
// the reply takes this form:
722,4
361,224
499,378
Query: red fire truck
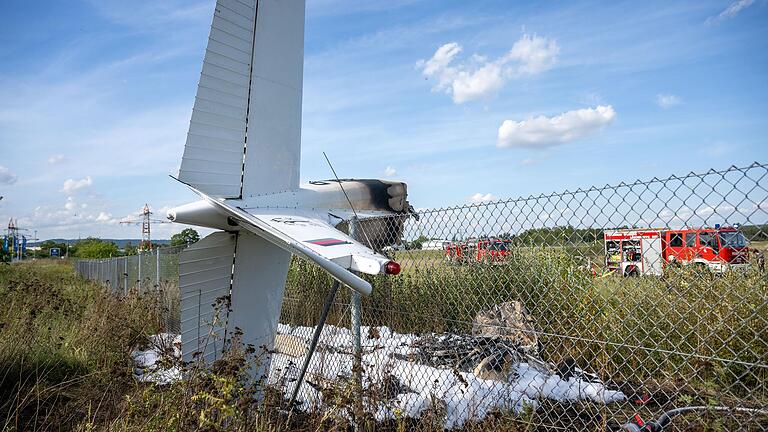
488,250
635,252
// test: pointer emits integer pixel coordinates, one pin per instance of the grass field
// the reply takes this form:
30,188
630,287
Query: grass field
687,338
65,365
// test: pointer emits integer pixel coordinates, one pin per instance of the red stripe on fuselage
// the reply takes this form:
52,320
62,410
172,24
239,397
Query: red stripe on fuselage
328,242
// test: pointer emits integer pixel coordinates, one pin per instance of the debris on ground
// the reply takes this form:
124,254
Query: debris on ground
510,321
291,345
470,353
155,361
463,377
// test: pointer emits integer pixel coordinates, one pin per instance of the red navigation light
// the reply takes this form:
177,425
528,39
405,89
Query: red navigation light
392,268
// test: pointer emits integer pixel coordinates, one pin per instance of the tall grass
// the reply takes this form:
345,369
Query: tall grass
689,329
689,337
65,364
64,346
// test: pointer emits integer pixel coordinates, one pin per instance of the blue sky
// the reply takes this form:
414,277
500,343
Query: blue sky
464,101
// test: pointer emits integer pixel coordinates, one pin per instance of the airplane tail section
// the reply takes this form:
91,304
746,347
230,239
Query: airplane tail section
230,281
205,279
245,133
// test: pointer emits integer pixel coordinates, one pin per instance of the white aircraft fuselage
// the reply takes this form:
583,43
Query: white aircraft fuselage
339,201
242,157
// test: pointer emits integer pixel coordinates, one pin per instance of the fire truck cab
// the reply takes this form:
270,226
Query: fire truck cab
488,250
635,252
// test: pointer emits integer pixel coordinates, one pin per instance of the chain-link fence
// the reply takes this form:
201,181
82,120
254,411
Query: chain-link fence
155,272
580,310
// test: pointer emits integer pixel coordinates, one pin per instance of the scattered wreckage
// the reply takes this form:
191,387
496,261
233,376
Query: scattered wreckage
464,376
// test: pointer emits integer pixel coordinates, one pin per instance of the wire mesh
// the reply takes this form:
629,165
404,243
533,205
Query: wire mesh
579,310
153,273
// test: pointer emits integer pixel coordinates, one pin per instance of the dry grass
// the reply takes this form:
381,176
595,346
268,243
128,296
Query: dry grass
65,365
689,337
65,346
65,362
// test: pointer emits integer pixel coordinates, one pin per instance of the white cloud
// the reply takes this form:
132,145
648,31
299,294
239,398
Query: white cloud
70,204
527,162
104,217
479,77
389,171
55,159
542,131
478,83
479,197
535,54
6,176
731,11
441,59
72,215
71,185
665,100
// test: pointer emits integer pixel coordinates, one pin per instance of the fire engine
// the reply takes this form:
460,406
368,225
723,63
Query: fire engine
635,252
487,250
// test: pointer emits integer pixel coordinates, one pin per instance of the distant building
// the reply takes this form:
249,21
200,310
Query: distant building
438,244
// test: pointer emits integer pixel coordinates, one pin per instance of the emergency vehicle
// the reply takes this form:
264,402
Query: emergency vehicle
635,252
488,250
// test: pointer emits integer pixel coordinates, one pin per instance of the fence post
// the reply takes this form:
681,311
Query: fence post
125,275
139,275
357,362
157,269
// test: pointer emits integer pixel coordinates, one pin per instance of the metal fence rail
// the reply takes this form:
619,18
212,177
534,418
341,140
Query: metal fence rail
576,310
155,272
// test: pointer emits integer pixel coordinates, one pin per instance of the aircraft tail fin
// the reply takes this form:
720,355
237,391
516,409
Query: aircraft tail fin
205,276
230,281
245,132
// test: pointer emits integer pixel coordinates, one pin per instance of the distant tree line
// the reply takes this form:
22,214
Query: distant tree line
555,236
95,248
755,232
